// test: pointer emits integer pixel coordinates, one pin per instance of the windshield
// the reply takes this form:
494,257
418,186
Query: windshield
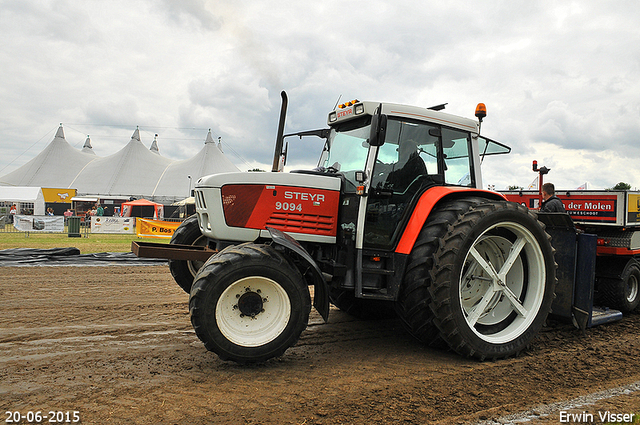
348,147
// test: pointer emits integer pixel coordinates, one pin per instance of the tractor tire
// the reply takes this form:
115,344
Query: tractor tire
624,293
493,281
248,303
184,271
361,308
413,304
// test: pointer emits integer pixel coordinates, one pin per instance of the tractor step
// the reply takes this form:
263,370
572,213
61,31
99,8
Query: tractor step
601,316
378,285
368,270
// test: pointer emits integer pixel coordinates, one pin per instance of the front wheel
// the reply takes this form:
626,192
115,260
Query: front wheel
249,304
493,281
184,271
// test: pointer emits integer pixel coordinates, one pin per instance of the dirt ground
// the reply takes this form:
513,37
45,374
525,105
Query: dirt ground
115,344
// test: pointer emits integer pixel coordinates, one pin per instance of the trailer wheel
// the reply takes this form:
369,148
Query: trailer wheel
493,281
414,299
249,304
360,308
184,271
624,293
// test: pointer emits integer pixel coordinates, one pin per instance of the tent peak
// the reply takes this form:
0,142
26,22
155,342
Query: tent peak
154,145
87,148
209,138
136,134
60,132
87,143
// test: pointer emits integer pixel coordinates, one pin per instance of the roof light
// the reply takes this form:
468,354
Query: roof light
359,109
348,104
481,111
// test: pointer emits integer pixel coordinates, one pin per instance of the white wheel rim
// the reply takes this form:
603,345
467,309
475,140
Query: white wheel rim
264,326
500,278
632,288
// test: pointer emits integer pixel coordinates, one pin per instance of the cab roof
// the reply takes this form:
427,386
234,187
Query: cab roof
355,109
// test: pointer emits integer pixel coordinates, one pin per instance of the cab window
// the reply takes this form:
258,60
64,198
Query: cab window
456,157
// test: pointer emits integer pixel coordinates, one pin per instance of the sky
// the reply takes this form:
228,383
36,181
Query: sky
560,79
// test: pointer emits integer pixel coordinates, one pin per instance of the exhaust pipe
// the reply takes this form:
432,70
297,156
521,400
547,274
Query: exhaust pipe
280,137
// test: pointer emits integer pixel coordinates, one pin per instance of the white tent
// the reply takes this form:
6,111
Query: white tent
132,171
56,166
186,201
180,176
23,196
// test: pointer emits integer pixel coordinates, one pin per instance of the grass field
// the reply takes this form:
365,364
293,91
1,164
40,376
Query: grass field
95,242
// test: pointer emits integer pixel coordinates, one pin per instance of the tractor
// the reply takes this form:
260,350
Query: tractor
392,221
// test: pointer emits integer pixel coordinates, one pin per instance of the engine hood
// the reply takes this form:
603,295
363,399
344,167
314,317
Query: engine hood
317,181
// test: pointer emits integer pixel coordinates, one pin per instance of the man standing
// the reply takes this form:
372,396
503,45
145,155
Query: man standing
12,212
550,202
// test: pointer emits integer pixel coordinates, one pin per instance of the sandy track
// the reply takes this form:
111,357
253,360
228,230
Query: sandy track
116,345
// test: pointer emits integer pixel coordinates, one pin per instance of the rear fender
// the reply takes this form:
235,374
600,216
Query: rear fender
428,200
321,290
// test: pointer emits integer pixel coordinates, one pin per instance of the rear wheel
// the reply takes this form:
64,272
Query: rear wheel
184,271
413,305
624,293
493,281
249,304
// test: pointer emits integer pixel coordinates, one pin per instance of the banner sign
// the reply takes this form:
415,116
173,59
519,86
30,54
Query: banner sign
111,224
52,195
590,208
39,223
155,228
586,208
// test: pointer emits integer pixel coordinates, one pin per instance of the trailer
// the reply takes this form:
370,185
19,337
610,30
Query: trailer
613,217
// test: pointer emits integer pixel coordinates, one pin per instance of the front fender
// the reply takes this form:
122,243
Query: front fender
321,290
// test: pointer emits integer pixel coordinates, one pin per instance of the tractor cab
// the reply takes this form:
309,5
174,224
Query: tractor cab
390,154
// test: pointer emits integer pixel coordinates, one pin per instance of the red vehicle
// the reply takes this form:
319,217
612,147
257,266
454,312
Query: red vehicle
614,218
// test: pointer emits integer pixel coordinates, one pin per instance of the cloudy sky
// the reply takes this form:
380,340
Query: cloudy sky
561,79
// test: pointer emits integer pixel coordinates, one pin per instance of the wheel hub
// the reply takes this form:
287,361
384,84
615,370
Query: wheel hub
250,303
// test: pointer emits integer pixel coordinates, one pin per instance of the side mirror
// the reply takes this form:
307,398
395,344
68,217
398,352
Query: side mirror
378,128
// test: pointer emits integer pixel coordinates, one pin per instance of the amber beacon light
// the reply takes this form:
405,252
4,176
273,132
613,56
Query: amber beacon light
481,111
